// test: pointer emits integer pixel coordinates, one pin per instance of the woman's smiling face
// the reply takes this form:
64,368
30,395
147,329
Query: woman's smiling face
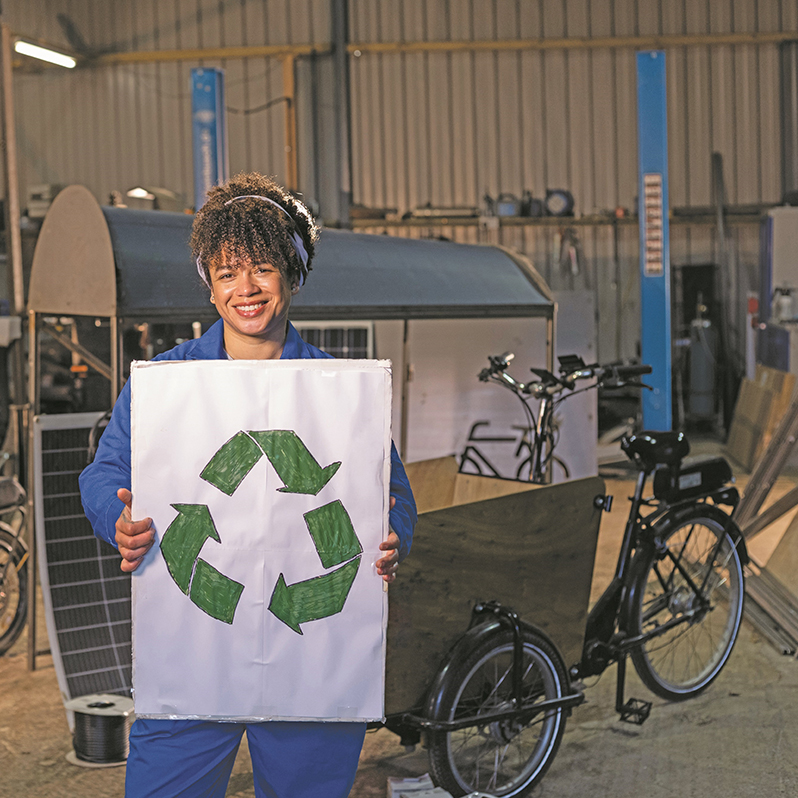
252,298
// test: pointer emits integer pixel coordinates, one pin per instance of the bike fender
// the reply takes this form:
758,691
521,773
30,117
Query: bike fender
716,514
473,638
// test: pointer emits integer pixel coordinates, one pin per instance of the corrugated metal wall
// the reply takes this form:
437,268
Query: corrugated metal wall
113,127
434,126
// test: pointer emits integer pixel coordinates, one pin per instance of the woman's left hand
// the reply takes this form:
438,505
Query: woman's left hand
387,565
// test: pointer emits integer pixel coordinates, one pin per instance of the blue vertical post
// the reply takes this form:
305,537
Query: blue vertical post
655,272
209,131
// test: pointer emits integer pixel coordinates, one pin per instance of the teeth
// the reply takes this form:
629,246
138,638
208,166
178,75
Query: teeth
251,307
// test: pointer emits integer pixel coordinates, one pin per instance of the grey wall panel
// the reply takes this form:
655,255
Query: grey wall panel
648,17
625,141
625,18
486,125
582,154
533,123
747,123
441,128
174,107
604,121
769,110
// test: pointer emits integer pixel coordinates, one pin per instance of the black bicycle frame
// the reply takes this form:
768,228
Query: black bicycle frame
606,640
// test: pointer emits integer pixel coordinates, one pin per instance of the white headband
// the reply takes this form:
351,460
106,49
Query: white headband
296,239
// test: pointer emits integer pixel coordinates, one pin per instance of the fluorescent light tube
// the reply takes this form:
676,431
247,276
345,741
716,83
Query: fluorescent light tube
43,54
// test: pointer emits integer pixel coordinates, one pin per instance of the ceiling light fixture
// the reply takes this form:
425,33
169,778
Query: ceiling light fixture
140,193
44,54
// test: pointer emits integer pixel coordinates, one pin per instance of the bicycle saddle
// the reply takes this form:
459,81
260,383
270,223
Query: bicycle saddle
651,449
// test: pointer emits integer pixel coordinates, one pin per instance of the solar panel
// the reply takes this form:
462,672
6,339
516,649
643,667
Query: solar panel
340,339
86,596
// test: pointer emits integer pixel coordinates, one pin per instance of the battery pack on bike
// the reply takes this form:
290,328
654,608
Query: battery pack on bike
102,729
688,480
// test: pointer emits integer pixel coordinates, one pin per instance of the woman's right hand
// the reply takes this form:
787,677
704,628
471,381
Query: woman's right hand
133,538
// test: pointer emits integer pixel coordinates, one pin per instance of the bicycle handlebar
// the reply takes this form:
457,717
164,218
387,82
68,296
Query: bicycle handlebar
498,363
633,370
573,368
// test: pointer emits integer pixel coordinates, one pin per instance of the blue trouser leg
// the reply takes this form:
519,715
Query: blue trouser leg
181,758
193,759
304,760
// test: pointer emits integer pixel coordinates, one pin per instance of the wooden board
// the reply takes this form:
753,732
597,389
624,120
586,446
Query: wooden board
783,563
760,406
533,551
750,416
437,484
781,385
432,482
473,488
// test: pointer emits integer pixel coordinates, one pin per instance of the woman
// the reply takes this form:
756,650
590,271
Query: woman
253,244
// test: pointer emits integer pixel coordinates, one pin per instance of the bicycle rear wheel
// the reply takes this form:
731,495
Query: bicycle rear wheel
689,597
13,590
503,758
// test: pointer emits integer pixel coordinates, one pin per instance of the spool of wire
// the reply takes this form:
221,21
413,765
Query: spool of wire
102,728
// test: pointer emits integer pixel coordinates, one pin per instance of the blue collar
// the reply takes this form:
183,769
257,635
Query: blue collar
211,345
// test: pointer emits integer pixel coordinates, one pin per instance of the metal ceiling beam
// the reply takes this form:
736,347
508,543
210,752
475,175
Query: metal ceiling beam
209,54
575,43
487,45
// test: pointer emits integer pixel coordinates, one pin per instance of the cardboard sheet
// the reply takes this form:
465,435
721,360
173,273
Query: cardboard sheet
267,482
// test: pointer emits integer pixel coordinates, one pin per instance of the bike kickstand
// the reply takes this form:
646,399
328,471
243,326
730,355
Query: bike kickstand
634,710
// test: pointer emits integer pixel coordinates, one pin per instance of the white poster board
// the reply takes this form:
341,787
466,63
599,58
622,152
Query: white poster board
267,482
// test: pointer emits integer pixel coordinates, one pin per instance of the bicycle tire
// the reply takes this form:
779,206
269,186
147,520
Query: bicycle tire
684,660
13,591
501,758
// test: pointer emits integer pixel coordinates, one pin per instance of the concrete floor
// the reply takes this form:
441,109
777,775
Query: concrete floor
738,739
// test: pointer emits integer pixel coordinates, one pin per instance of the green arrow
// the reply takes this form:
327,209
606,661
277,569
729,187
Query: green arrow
215,593
292,461
234,460
333,534
314,598
183,540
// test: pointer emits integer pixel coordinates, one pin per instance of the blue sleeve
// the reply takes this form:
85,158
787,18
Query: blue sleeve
109,471
403,517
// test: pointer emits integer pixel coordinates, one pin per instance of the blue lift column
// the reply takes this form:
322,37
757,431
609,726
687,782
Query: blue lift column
655,272
209,131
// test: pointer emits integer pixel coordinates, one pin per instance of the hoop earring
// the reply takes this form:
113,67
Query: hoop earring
213,299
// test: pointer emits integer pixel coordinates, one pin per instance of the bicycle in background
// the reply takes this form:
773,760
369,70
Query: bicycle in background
13,562
541,433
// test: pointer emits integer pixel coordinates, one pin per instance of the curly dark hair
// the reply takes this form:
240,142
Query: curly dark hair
252,229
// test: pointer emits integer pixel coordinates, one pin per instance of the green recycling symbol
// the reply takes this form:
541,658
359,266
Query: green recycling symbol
329,526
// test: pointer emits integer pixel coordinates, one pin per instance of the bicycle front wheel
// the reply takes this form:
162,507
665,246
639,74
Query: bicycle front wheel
503,758
687,600
13,590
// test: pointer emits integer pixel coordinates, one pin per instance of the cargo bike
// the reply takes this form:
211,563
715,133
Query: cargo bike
494,713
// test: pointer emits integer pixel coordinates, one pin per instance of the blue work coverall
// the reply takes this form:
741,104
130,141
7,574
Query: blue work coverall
194,758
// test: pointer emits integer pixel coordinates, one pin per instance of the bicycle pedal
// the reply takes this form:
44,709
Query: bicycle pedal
635,711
